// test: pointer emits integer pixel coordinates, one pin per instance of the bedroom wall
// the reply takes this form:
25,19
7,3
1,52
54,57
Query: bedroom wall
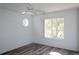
70,30
78,28
12,32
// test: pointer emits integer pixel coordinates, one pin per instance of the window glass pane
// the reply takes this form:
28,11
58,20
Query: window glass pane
48,32
60,29
48,24
54,24
54,28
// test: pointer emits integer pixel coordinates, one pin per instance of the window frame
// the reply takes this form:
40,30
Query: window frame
44,29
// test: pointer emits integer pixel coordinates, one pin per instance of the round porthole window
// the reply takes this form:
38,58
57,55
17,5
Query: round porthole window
25,22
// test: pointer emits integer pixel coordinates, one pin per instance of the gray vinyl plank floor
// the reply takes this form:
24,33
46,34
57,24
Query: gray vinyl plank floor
38,49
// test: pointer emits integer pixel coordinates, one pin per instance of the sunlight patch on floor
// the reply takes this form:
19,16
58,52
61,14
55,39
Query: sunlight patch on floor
55,53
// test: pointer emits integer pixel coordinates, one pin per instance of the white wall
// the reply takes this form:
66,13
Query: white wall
70,25
78,28
12,33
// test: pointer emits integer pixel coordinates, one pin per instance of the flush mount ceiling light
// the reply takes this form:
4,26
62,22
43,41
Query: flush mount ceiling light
25,22
29,10
23,12
28,13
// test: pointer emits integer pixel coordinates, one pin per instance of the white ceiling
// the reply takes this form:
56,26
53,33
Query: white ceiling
50,7
45,7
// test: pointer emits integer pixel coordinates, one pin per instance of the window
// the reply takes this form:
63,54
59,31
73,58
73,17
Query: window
54,28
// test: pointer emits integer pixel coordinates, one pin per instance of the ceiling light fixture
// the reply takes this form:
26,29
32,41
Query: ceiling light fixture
23,12
29,10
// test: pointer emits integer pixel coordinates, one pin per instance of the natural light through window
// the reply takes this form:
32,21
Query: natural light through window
54,28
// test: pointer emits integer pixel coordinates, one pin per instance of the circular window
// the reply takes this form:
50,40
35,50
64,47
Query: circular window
25,22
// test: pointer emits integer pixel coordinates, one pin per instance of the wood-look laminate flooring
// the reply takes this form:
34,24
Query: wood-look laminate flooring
38,49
